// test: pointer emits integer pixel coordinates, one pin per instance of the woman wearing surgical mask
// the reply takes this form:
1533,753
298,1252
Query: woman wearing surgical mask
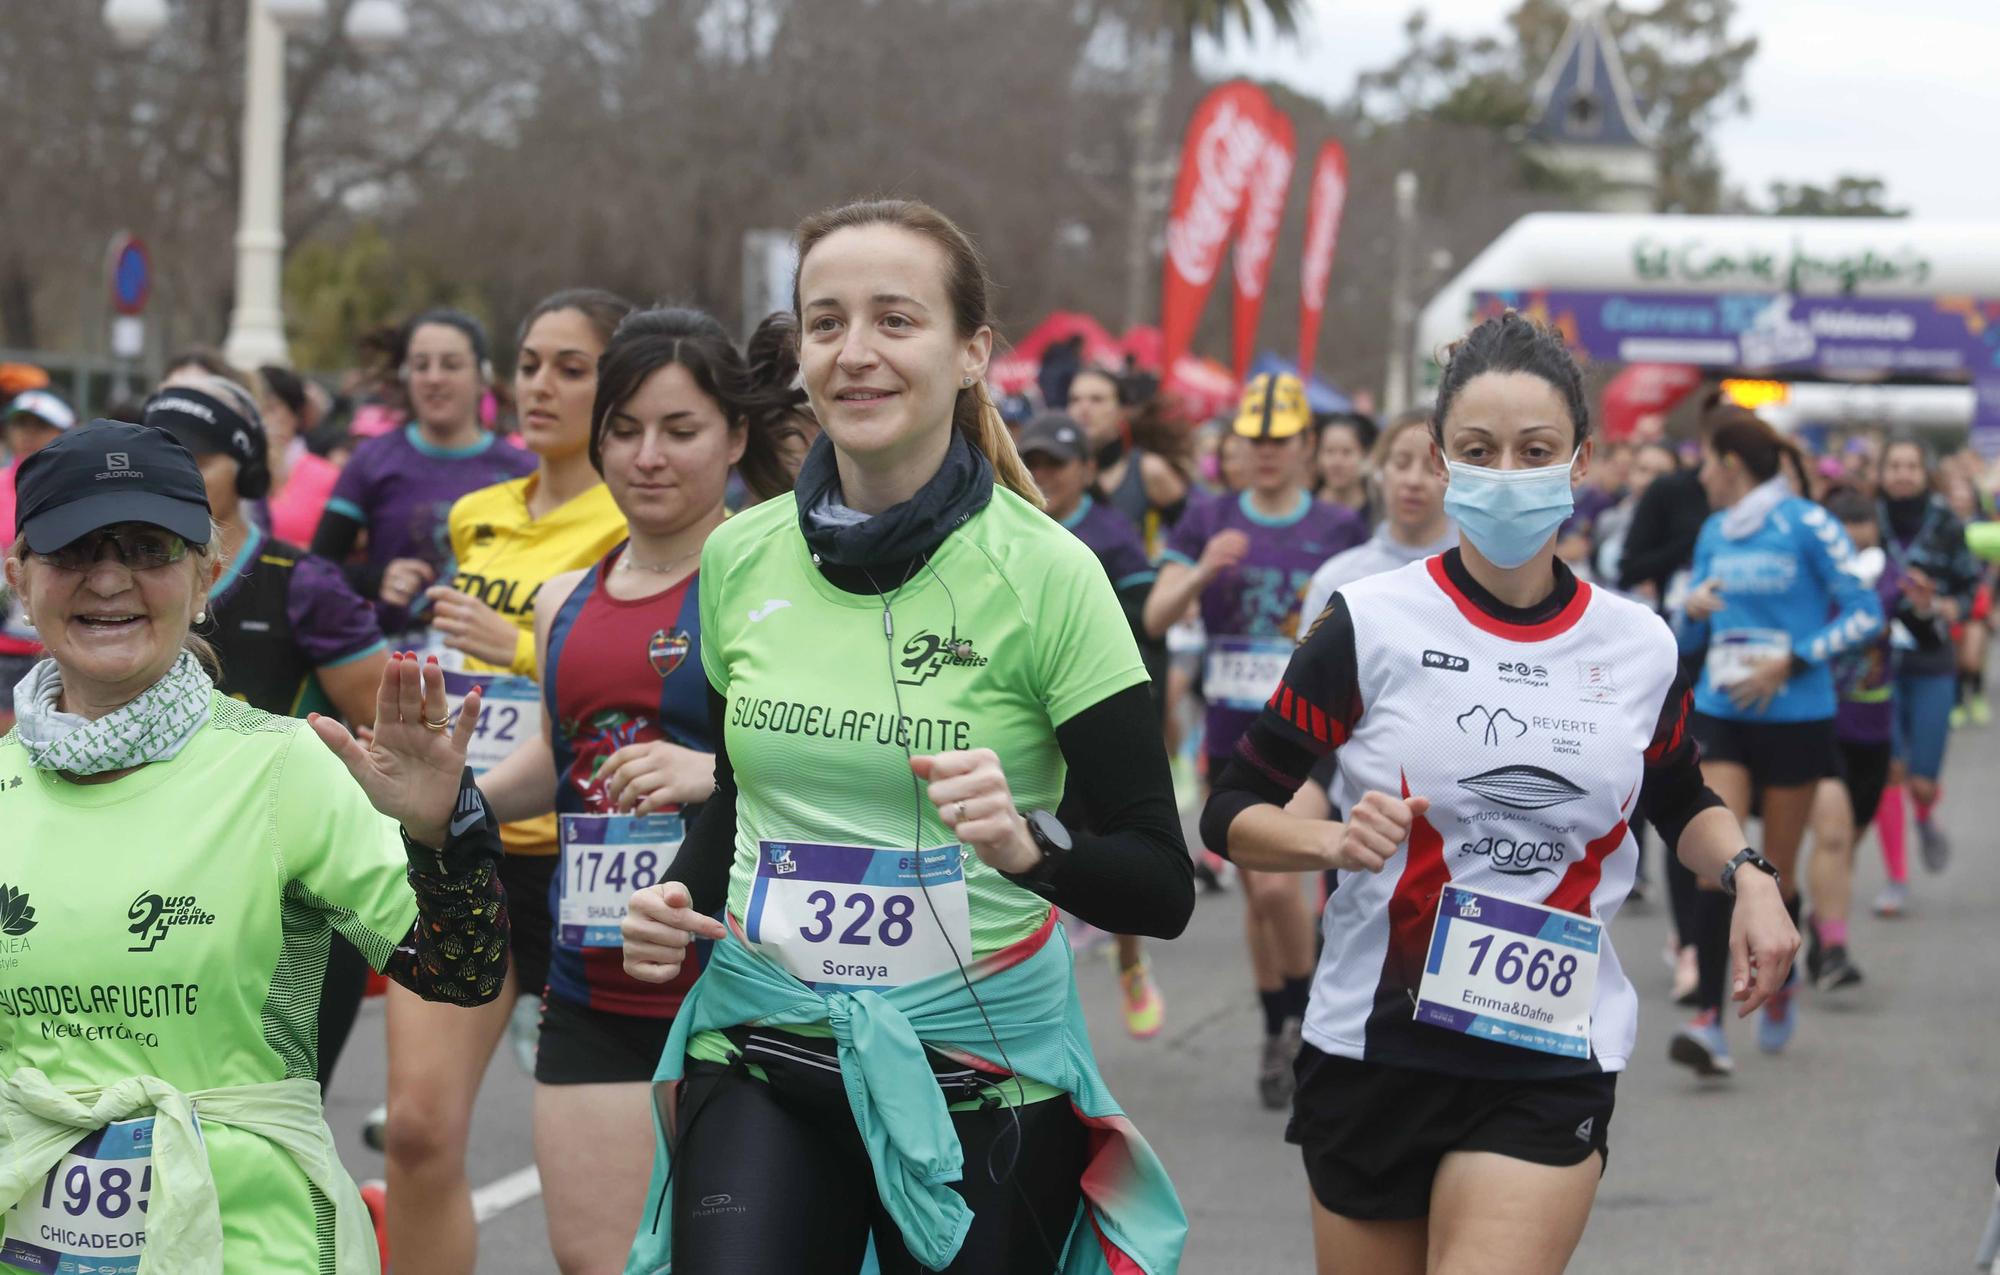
1495,722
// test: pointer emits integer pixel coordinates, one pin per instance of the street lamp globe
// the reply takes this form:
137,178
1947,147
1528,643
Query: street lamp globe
376,26
295,16
135,22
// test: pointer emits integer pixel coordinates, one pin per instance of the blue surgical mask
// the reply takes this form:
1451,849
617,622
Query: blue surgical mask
1509,514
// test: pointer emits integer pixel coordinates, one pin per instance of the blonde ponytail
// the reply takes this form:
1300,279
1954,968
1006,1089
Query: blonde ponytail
984,427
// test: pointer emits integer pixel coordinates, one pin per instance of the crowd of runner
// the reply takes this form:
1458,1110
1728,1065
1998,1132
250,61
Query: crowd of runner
658,648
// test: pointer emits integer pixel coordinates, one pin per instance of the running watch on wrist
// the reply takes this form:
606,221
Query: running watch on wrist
1743,857
1052,839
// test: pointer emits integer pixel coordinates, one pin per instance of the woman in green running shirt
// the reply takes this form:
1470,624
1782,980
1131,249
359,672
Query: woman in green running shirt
906,661
177,862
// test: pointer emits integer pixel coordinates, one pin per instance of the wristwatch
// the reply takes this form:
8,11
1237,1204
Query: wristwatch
1745,856
1052,839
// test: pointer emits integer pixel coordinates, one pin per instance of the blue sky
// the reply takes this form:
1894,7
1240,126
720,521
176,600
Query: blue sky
1909,92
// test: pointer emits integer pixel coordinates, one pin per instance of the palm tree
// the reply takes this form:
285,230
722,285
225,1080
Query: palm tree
1176,23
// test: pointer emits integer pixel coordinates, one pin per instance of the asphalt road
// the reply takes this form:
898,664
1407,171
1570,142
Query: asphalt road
1868,1148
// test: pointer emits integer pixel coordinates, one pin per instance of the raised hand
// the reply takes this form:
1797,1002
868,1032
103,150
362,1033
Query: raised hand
411,767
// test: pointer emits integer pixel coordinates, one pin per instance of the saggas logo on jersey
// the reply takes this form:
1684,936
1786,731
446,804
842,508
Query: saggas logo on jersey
152,915
1517,858
926,653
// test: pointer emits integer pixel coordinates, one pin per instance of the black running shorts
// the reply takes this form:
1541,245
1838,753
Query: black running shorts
585,1046
527,878
1777,754
1374,1135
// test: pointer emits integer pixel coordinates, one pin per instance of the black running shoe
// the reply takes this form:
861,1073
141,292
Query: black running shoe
1813,948
1835,971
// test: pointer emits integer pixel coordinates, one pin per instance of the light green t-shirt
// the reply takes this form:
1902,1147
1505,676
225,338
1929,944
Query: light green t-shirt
179,929
813,727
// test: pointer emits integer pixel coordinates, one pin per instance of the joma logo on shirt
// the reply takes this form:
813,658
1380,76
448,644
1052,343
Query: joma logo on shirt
926,653
152,915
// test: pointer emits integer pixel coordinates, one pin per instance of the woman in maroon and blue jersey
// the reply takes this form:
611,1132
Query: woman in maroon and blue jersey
625,756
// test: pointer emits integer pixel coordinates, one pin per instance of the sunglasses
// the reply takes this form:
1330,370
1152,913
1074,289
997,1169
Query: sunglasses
137,548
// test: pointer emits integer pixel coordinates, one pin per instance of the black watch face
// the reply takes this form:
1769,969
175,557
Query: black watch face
1049,829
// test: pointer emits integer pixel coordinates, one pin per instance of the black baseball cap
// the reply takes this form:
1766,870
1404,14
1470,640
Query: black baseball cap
106,473
1053,434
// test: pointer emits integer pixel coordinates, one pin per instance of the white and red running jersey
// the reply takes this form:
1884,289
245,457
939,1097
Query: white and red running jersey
1532,741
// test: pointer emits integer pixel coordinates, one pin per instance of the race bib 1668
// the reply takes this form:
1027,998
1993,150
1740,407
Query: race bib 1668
1512,972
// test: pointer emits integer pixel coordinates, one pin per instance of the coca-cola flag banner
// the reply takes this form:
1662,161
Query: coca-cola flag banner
1257,240
1323,208
1225,143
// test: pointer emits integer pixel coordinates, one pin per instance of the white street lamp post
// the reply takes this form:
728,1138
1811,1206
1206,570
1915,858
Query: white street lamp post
257,322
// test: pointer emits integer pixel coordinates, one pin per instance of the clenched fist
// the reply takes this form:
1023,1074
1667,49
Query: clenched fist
660,922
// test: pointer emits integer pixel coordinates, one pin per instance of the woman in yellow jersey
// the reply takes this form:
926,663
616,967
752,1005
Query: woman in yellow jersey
506,540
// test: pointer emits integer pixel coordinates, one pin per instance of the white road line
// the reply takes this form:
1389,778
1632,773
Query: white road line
498,1196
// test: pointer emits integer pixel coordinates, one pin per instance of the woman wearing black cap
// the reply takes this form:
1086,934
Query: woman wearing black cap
169,1036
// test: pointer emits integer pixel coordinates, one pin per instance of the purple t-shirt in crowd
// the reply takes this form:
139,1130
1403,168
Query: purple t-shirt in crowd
1110,536
1251,611
402,488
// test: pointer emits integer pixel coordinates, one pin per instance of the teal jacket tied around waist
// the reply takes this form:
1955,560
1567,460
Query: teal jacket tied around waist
1130,1222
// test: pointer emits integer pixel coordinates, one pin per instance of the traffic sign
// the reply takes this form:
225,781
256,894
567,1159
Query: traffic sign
131,275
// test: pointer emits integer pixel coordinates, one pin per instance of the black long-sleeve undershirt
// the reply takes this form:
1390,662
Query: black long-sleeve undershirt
334,539
1129,872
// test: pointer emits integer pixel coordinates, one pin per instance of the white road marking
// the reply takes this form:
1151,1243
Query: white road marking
498,1196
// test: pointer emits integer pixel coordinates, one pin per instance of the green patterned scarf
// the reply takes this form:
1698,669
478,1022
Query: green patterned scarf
151,728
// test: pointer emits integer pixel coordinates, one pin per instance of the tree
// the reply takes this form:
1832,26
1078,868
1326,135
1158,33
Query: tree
1849,196
1685,63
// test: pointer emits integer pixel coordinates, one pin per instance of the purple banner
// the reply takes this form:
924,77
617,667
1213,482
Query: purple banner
1986,415
1948,337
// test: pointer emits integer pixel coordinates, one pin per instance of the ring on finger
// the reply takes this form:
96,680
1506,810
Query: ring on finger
958,814
438,726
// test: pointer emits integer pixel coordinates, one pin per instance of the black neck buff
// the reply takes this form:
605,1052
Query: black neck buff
1111,453
1906,514
901,533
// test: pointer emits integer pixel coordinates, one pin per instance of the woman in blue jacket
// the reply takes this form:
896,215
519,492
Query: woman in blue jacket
1774,602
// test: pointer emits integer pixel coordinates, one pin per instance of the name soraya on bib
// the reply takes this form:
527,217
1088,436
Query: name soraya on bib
1532,741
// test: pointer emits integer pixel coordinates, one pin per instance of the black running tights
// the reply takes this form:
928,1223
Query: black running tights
767,1183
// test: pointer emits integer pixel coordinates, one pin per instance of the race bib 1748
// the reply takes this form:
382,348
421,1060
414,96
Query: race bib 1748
850,916
510,710
605,858
88,1216
1516,973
